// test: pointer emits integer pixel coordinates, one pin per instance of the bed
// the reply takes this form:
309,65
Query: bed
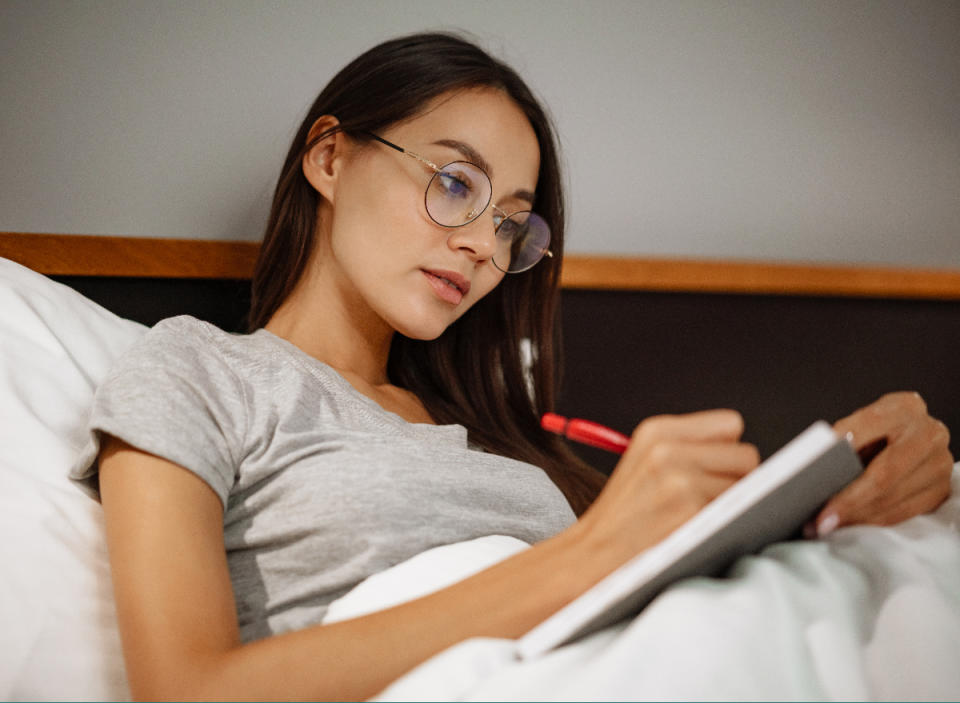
867,614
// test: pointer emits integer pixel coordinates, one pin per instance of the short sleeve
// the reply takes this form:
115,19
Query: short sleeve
174,395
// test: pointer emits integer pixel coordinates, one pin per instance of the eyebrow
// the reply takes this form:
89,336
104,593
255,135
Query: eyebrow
474,157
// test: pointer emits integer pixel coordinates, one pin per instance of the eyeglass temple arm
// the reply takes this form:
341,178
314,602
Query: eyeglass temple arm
503,215
384,141
436,169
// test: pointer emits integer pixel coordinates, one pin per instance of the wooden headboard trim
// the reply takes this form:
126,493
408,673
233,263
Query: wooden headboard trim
82,255
758,278
140,257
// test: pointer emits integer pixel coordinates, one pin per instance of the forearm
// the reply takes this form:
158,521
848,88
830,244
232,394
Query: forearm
357,658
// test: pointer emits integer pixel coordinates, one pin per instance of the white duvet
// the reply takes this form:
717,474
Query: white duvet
866,614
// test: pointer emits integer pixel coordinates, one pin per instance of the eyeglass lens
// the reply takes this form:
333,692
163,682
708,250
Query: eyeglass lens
460,192
457,194
522,240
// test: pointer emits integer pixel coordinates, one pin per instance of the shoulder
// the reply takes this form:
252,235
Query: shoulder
187,332
178,395
180,346
184,334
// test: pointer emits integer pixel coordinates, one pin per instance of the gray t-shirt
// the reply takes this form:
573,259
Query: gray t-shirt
321,486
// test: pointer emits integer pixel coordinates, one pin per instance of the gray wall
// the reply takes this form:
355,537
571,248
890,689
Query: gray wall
797,130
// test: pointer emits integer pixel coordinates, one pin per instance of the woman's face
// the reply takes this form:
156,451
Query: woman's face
389,257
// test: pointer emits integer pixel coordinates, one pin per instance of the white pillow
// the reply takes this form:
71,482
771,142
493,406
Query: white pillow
58,638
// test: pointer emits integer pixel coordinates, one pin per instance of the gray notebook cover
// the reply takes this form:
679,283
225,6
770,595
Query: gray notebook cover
770,504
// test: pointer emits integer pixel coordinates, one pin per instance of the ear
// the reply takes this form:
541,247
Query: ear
321,164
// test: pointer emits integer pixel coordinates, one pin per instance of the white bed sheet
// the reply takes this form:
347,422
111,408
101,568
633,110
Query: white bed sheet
867,614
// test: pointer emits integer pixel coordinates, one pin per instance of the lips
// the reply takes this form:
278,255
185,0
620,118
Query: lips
448,285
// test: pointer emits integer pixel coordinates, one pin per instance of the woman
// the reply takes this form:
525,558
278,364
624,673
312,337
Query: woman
381,406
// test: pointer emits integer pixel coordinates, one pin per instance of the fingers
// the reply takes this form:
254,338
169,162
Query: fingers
704,441
673,467
701,472
910,475
885,419
897,485
731,460
704,426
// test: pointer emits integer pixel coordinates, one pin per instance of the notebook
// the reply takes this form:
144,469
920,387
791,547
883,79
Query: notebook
770,504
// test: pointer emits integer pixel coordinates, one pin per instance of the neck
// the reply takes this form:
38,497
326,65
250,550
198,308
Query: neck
322,318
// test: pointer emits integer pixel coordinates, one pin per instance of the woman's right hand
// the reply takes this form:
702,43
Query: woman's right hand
674,465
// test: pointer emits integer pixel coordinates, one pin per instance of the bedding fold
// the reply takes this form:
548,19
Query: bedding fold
868,613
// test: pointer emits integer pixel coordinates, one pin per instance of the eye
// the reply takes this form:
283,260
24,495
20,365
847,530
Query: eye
454,184
507,228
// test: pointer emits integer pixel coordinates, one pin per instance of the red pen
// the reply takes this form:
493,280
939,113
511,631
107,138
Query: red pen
585,432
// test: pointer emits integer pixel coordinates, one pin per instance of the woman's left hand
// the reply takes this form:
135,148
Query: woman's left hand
909,475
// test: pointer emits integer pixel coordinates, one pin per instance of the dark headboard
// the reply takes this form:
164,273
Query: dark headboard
783,361
224,302
784,344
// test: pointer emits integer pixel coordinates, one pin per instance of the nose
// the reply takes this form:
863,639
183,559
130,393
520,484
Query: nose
478,239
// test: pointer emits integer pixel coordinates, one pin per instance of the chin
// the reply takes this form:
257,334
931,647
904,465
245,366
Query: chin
422,332
426,326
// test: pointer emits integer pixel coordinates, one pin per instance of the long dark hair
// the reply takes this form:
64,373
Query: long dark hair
475,373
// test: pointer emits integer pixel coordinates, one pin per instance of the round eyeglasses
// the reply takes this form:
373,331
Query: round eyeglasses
460,192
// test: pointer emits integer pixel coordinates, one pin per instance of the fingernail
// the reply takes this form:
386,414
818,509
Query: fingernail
849,438
827,525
